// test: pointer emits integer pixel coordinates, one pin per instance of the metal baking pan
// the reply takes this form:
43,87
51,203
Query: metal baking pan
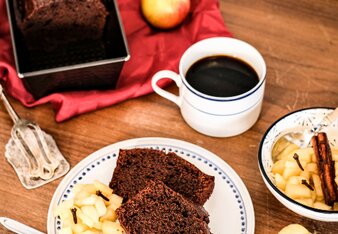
79,66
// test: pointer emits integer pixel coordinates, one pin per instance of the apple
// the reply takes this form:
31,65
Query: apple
165,14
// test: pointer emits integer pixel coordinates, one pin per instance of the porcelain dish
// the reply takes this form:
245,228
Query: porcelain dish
230,206
298,120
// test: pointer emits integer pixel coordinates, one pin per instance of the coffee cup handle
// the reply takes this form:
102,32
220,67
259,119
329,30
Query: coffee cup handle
170,75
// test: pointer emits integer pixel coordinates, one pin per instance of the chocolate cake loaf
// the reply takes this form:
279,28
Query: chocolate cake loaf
159,209
59,21
137,166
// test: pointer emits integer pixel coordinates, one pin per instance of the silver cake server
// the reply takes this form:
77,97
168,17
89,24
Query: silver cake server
32,152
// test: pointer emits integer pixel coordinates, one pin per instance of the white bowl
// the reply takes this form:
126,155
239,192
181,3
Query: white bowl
297,120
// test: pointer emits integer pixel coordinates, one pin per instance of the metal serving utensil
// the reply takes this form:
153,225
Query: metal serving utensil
17,227
32,152
302,138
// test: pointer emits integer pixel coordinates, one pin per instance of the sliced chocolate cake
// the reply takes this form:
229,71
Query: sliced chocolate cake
137,166
159,209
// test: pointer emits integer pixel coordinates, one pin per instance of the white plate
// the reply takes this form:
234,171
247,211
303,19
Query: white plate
230,206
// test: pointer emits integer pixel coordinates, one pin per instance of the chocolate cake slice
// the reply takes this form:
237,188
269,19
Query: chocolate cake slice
137,166
59,21
159,209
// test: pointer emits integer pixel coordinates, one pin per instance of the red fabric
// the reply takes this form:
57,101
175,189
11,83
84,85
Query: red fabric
151,50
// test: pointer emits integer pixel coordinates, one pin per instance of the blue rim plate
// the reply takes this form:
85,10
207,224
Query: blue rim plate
230,206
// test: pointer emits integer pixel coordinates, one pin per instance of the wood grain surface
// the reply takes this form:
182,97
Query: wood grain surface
299,41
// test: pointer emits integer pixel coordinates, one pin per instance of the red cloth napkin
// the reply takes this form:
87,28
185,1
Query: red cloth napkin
151,50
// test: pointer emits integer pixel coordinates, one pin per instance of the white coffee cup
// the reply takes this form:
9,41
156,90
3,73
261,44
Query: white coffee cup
216,116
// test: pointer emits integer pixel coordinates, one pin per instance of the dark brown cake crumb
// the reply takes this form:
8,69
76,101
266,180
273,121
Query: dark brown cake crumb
137,166
52,22
159,209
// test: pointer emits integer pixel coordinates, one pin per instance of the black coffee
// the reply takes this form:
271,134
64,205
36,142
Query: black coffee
222,76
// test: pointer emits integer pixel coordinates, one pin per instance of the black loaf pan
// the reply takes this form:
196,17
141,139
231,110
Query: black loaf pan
80,66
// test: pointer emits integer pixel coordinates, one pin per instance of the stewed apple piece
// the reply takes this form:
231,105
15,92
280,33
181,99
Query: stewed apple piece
90,211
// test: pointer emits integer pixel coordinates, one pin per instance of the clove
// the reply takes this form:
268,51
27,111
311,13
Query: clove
296,157
307,185
100,194
73,210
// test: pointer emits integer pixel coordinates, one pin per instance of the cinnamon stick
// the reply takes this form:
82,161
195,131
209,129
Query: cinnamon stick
326,168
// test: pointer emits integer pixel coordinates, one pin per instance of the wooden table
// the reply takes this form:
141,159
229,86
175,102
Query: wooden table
299,41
